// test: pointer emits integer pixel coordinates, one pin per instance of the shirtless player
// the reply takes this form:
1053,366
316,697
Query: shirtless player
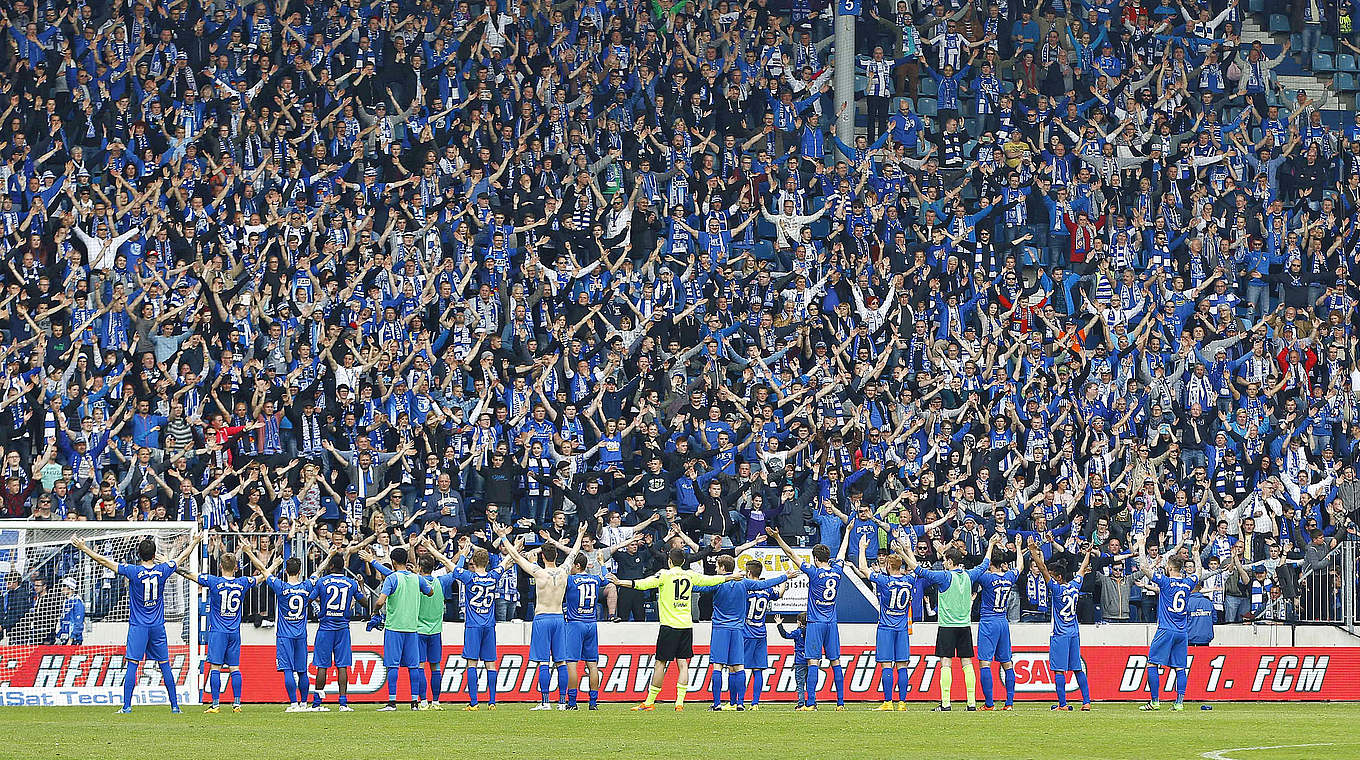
547,640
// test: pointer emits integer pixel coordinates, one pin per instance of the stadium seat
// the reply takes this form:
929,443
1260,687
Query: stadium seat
928,86
1344,82
1257,6
1322,63
764,250
1345,62
1279,24
764,229
820,228
926,107
1327,44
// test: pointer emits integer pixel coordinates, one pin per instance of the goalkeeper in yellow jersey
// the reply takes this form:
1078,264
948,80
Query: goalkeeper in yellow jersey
675,640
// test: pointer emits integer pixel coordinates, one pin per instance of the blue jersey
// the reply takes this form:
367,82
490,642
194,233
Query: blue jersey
1173,601
146,592
582,596
335,593
226,599
996,593
292,603
895,594
823,584
479,594
757,609
1064,596
863,532
730,600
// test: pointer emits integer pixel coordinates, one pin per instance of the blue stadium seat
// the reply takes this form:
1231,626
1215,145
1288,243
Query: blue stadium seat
861,83
1344,82
1345,62
1257,6
764,229
820,228
926,107
1322,63
928,87
1327,44
1279,24
764,250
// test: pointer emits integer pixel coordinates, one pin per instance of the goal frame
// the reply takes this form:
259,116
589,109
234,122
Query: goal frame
193,684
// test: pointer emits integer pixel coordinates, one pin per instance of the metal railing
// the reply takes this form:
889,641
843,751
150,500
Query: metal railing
1327,588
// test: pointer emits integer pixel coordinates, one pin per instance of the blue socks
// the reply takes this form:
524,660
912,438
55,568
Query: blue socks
472,686
571,697
1180,685
902,684
215,685
736,686
1060,683
717,686
1009,675
491,676
290,685
838,673
594,697
757,685
562,679
130,683
986,673
393,675
813,677
544,683
1085,688
1154,678
417,675
303,686
886,679
236,687
436,677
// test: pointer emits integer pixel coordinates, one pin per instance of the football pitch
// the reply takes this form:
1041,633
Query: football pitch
1228,732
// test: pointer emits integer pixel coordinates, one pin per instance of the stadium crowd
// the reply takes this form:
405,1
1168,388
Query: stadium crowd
316,273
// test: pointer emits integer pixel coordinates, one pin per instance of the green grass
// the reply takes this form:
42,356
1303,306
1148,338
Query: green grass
1111,731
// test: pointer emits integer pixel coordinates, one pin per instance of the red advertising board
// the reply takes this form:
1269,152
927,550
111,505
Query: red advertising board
1116,673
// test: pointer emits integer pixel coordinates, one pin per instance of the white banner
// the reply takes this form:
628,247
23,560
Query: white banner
794,599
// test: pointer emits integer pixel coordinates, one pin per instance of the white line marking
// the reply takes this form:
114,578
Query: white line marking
1222,754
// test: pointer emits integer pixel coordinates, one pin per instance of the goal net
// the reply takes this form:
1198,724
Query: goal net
65,617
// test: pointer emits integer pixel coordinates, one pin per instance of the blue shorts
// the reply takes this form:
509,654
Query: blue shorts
582,641
823,641
332,648
1168,648
224,648
290,654
401,649
547,639
727,646
431,648
994,640
892,645
479,643
1064,652
147,642
755,652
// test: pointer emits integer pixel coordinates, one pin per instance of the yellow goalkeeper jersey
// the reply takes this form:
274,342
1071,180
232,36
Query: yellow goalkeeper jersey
676,586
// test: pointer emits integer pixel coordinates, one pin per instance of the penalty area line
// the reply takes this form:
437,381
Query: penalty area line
1222,754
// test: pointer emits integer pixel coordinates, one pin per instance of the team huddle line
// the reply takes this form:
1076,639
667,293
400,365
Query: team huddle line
409,607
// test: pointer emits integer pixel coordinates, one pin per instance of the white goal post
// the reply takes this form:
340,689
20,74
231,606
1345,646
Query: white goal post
64,625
